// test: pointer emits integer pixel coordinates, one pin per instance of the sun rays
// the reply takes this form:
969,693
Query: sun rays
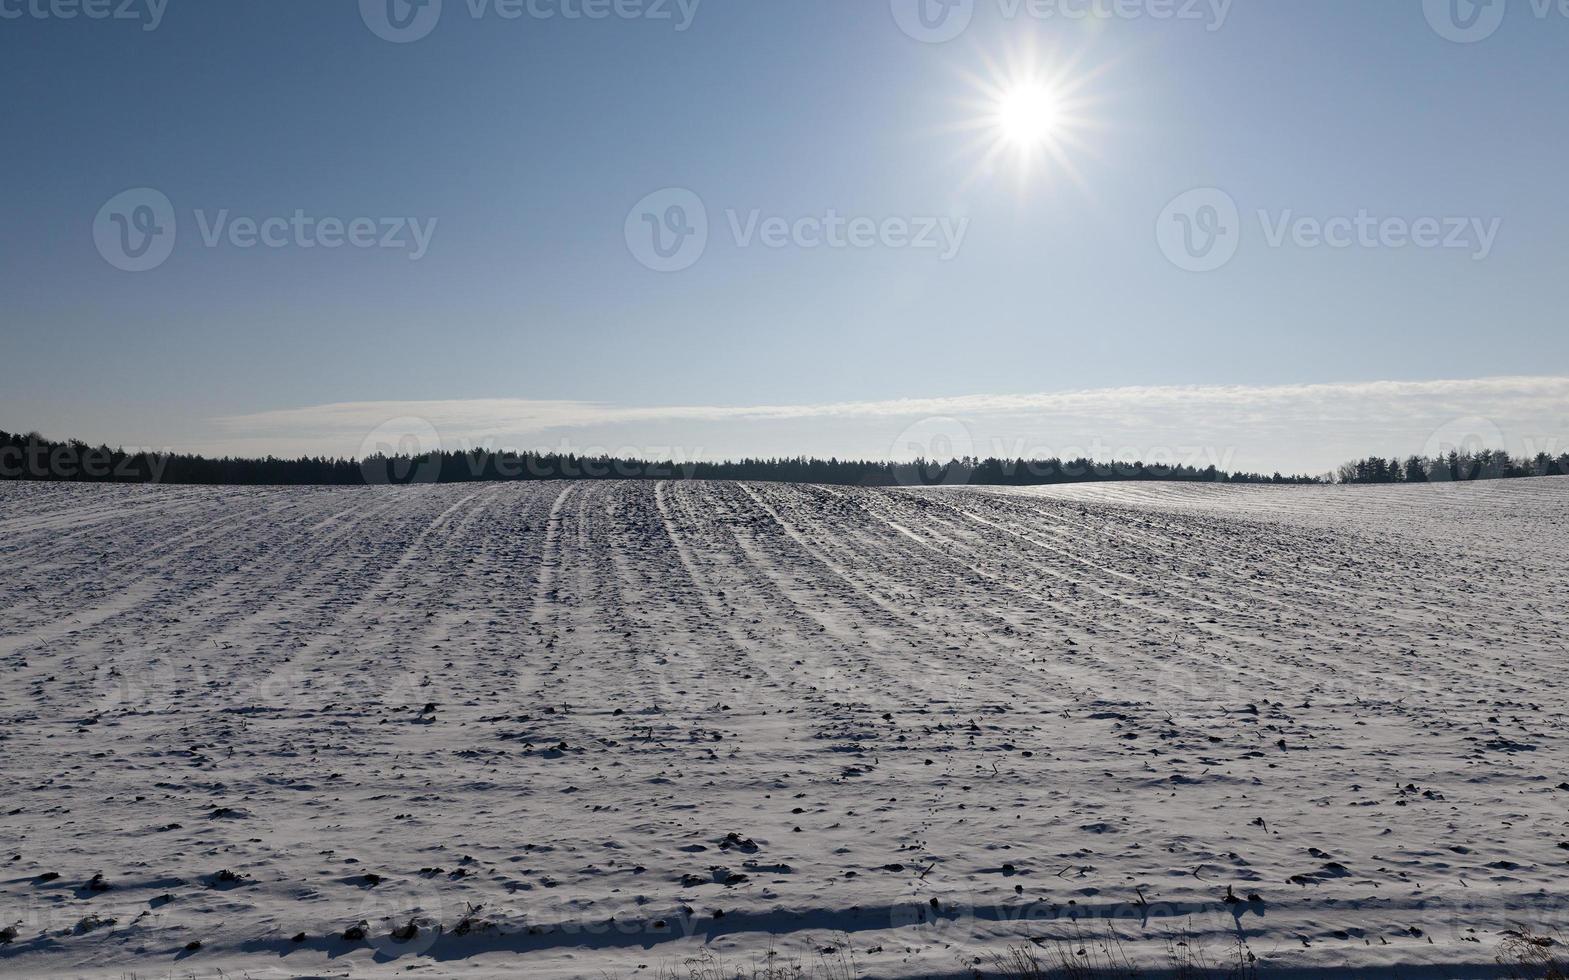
1028,117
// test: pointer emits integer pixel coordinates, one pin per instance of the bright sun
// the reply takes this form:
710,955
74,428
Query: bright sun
1028,115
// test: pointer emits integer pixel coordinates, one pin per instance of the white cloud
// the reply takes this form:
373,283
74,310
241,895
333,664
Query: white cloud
1300,426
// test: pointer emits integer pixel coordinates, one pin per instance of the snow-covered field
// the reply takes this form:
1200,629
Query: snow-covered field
580,730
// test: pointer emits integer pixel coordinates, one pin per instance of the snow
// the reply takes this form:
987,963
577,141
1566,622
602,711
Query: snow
575,729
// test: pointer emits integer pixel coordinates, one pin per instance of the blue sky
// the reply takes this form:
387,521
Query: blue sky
522,146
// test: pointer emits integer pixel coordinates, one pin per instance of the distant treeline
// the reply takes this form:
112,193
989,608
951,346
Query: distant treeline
31,457
1486,464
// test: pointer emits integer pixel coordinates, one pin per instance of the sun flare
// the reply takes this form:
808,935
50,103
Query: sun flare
1028,115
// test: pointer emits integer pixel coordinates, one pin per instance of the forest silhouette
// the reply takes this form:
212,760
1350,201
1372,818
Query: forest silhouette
32,457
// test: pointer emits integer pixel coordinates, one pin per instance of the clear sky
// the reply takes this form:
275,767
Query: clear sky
980,225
